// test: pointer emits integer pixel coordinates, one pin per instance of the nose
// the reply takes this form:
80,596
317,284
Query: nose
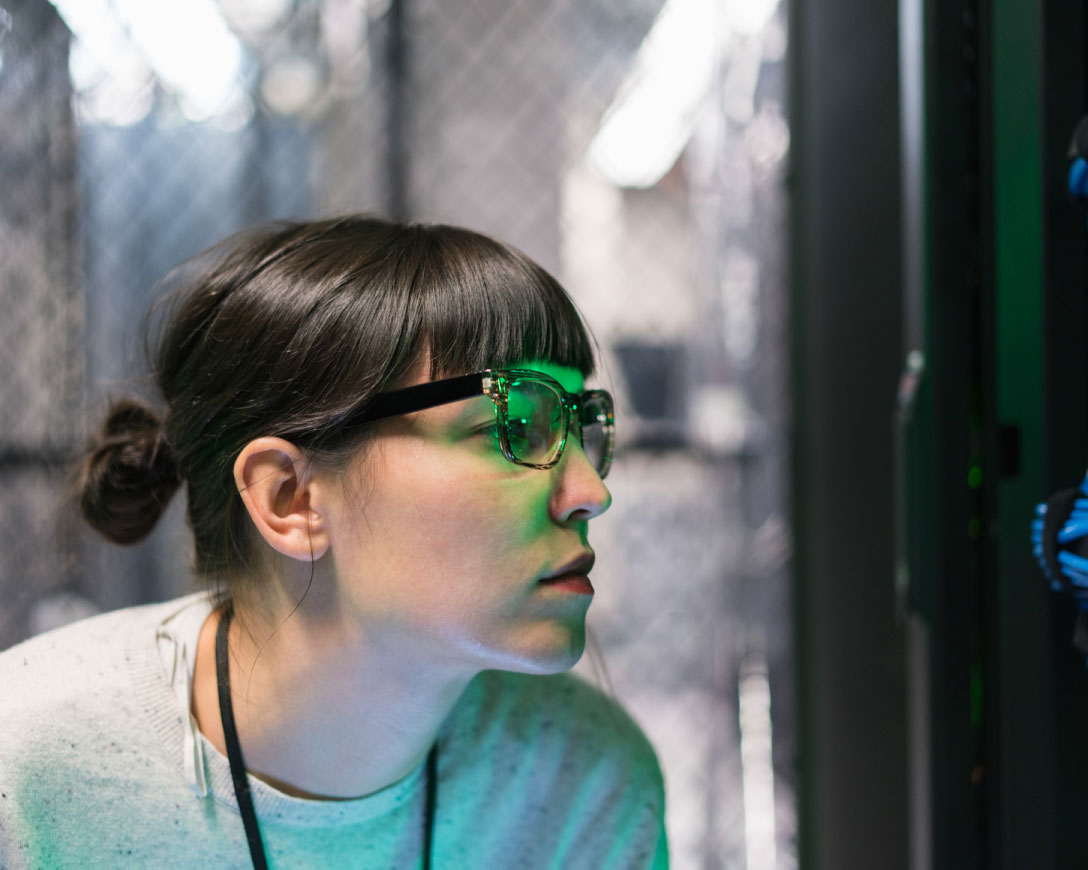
579,493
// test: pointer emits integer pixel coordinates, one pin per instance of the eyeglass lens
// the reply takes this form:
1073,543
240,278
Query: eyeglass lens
535,416
596,440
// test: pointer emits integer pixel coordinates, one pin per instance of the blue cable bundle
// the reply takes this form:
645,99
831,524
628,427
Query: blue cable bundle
1078,157
1059,539
1078,178
1059,532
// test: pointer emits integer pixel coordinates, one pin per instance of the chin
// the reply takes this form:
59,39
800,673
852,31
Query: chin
560,653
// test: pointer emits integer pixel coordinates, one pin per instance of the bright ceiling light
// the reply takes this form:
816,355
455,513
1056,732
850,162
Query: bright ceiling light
292,85
652,118
750,17
102,45
190,47
186,43
255,17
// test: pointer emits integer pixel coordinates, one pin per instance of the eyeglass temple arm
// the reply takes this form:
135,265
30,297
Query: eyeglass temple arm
418,398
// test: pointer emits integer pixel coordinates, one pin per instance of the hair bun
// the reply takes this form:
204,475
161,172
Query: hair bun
128,475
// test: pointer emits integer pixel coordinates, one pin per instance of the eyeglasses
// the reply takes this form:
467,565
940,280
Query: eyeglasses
534,412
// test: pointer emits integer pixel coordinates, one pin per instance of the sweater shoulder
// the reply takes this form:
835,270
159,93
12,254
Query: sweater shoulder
110,627
77,660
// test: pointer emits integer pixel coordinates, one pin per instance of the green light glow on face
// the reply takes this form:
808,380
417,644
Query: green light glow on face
538,412
535,413
571,379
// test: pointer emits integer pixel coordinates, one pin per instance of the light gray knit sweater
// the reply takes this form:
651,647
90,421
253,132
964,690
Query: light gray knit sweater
101,766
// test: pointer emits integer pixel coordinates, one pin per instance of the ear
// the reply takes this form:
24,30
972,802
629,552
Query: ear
283,497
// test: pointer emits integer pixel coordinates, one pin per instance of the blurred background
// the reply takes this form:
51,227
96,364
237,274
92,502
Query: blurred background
838,283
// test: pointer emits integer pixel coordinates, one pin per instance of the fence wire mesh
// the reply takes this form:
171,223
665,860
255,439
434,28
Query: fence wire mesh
634,148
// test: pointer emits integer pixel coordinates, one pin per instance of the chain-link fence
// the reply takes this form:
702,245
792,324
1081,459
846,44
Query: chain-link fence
634,148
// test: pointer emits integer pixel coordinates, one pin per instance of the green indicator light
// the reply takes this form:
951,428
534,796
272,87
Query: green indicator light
974,477
974,528
976,696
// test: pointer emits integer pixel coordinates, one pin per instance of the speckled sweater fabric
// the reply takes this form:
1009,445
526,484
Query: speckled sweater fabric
101,766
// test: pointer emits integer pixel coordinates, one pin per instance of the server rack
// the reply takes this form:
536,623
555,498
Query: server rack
991,418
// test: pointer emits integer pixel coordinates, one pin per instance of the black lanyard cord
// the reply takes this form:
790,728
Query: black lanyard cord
238,768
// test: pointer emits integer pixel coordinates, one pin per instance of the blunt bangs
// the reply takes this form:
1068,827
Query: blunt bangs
483,304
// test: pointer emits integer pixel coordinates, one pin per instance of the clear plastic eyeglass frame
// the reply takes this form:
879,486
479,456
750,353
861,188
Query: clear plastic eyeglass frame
495,384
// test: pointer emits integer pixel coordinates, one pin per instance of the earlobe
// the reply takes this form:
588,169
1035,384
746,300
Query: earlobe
282,497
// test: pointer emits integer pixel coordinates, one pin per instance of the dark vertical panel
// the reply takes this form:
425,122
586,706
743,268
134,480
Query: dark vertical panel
1065,247
956,459
1026,808
847,327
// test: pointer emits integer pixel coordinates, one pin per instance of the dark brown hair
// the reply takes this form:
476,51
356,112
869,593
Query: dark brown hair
283,329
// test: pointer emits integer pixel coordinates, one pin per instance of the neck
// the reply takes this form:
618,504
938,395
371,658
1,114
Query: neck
321,713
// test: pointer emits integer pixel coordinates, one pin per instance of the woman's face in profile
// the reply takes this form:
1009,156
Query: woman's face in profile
439,542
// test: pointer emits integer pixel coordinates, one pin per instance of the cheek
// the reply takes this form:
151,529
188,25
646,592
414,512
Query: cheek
475,522
421,521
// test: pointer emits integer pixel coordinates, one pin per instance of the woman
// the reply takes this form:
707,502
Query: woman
390,462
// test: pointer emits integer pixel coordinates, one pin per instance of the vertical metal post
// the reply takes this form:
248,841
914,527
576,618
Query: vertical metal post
397,97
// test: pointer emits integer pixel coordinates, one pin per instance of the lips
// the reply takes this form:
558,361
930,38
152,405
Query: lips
577,583
579,566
